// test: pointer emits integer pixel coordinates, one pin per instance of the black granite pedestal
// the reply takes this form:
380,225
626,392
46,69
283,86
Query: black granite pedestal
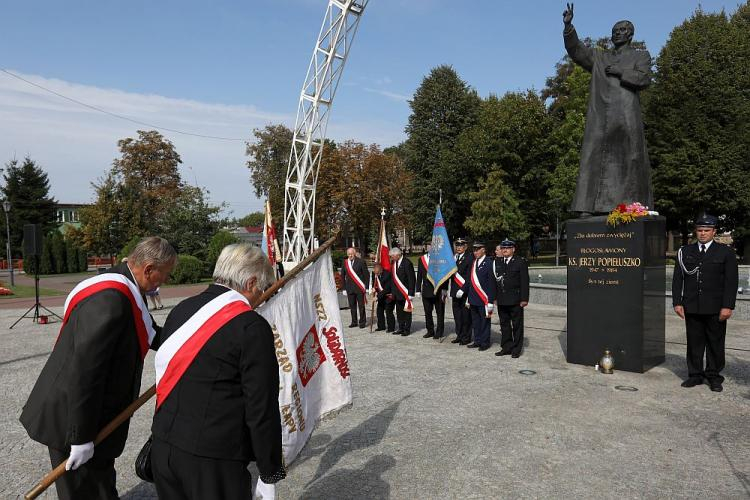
616,285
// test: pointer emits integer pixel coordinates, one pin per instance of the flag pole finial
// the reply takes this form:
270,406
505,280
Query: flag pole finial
382,213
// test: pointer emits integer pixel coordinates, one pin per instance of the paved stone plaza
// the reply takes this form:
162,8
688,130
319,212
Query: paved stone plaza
435,420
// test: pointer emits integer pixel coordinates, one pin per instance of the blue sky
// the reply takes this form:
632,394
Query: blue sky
224,67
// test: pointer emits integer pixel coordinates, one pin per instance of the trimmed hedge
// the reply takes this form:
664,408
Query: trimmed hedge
188,270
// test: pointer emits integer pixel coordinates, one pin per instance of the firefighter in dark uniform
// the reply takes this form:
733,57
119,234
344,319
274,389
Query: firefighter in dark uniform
461,314
704,290
381,290
512,276
431,299
480,292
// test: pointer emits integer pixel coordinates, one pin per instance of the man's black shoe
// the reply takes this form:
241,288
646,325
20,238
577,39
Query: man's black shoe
427,335
464,342
437,337
379,329
389,331
456,340
484,348
397,332
691,382
363,326
502,353
515,355
472,346
716,387
405,334
352,325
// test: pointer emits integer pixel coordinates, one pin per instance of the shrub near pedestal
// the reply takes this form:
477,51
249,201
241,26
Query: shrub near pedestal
187,270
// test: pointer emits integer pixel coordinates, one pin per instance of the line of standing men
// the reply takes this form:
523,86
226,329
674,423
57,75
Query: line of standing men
480,283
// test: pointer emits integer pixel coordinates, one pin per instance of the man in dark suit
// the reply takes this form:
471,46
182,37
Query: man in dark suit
402,273
461,314
512,278
431,299
94,371
381,290
222,412
704,290
356,282
480,291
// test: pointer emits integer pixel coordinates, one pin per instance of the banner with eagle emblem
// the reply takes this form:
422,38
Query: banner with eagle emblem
309,341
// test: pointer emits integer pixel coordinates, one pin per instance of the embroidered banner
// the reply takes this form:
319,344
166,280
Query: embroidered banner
310,349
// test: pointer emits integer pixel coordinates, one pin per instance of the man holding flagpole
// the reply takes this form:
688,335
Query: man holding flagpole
94,371
217,388
480,290
402,273
435,270
356,283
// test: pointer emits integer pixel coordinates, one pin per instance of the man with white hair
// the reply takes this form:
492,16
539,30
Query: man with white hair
94,371
403,284
217,388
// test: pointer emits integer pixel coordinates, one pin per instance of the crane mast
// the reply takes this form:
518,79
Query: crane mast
326,66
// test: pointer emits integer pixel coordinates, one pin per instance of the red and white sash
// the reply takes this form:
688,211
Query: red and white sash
114,281
401,287
351,274
426,262
177,353
478,286
458,279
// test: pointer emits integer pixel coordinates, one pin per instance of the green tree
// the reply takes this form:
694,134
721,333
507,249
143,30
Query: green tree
268,161
191,221
355,183
133,197
495,211
698,119
253,219
148,169
106,224
511,135
442,107
27,189
71,257
218,241
57,248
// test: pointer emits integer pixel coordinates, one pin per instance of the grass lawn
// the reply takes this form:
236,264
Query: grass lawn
23,291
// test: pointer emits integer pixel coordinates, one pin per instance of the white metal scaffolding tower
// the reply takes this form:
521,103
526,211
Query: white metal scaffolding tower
329,56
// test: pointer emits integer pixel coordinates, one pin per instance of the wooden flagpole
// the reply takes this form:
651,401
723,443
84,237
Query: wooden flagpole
128,412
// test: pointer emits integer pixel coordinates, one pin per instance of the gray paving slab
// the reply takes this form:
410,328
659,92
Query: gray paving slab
435,420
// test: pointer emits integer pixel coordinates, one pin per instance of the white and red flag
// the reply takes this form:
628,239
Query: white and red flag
313,366
270,245
383,249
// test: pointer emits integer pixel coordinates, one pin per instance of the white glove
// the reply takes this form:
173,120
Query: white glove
459,294
344,292
490,307
79,455
418,294
264,491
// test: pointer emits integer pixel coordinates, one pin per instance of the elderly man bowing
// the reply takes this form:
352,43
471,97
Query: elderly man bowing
217,388
94,371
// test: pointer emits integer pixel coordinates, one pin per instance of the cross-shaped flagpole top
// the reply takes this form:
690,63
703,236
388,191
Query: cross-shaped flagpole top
382,213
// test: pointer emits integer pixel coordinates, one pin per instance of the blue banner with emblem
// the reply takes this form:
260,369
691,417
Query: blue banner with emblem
442,263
